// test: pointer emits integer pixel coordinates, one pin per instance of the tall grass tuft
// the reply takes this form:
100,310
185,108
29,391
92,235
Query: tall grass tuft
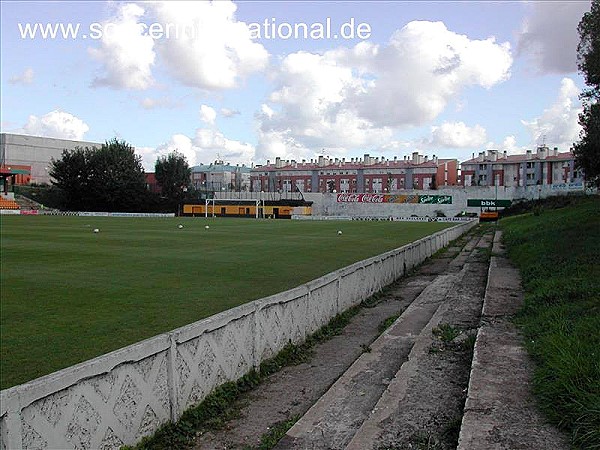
558,254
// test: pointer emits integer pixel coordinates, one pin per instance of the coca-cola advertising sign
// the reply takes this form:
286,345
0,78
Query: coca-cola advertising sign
361,198
387,198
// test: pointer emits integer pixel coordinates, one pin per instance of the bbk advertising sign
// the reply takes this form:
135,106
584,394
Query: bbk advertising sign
491,203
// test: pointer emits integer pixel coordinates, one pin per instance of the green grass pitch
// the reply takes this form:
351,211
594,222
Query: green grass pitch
69,294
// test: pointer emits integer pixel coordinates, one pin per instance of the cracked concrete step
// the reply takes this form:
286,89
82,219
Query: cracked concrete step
500,411
391,403
386,407
336,416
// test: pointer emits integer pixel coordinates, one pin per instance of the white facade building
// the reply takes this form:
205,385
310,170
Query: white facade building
35,152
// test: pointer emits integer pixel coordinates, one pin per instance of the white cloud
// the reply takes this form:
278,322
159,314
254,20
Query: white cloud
207,114
126,55
56,124
423,67
281,144
227,112
25,78
152,103
180,143
354,98
456,135
149,156
266,111
558,124
212,145
202,44
206,146
213,50
314,112
509,145
549,35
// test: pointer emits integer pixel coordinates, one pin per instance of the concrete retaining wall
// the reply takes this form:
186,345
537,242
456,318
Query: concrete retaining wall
122,396
327,204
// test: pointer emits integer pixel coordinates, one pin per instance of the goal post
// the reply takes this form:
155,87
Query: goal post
213,202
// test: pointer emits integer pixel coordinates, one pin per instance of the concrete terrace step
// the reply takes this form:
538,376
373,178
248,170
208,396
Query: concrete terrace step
500,412
357,407
367,435
404,389
335,418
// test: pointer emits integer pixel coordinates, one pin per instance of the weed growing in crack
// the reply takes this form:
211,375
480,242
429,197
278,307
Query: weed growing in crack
425,441
386,323
451,430
446,332
453,339
275,433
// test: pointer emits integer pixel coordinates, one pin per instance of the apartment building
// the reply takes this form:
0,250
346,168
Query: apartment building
545,166
220,176
367,174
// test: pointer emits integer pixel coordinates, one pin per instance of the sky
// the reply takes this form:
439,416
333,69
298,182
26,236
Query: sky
246,82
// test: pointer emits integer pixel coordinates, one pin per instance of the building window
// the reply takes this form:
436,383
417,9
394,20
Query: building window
344,185
377,185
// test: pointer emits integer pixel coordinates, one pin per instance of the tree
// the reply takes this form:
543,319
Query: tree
587,150
70,174
109,178
330,186
118,182
433,185
174,176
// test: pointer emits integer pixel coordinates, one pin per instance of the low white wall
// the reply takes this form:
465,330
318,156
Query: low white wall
122,396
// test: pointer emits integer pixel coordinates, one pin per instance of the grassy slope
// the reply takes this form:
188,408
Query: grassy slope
558,254
69,295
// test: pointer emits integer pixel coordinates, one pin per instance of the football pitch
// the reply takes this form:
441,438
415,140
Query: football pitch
69,294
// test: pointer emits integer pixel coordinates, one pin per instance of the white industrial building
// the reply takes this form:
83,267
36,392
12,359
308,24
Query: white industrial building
35,153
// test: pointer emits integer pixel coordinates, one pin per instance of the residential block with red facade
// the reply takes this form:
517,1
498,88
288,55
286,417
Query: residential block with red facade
369,174
544,167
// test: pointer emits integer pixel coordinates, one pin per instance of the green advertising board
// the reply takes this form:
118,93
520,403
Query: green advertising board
435,199
489,203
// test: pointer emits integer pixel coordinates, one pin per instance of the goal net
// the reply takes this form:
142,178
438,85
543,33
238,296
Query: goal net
245,206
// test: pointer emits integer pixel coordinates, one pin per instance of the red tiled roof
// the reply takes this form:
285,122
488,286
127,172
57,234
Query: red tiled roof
399,164
511,159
